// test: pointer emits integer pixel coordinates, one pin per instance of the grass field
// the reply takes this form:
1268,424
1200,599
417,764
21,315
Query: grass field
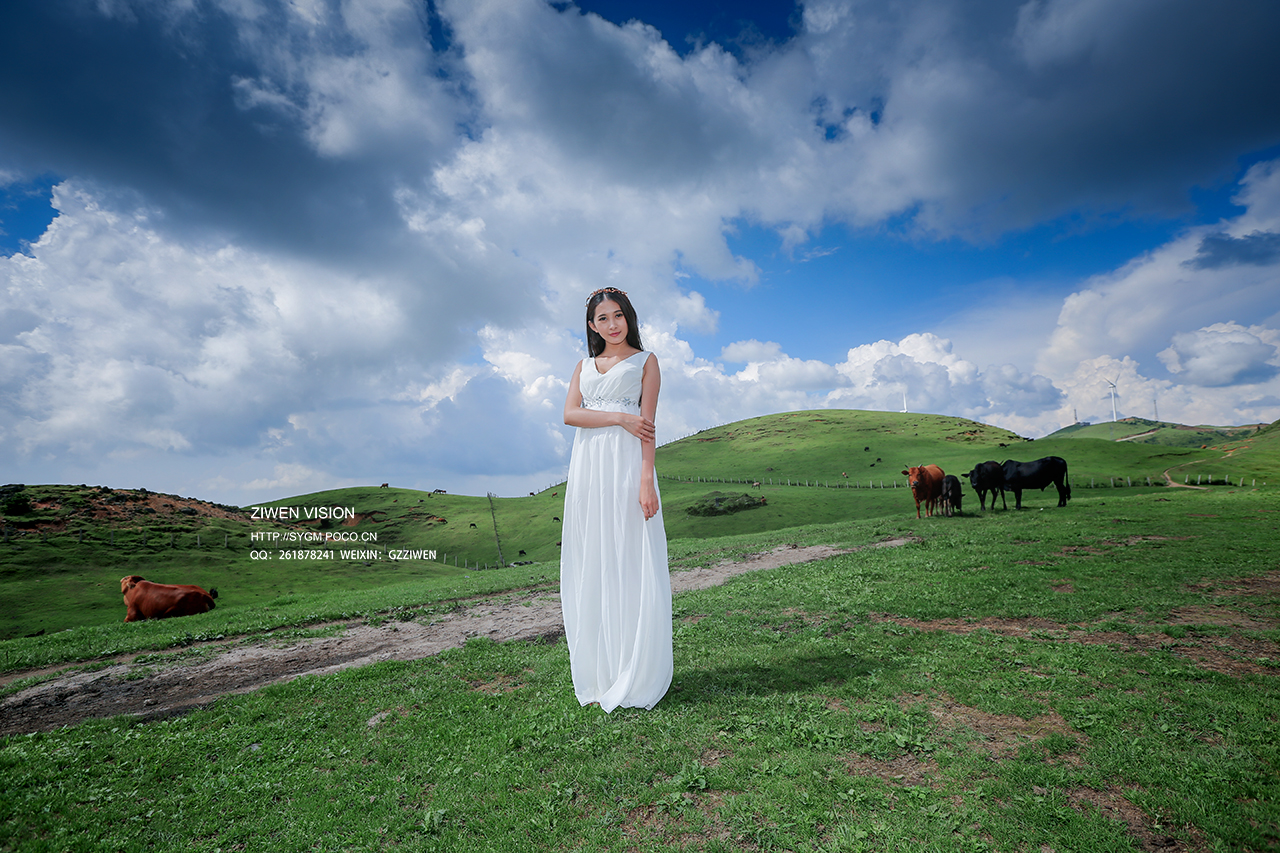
1094,678
1097,678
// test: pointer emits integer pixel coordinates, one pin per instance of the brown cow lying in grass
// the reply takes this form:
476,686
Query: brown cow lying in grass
147,600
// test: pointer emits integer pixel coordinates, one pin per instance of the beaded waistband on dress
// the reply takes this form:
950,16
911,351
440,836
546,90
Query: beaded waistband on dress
601,402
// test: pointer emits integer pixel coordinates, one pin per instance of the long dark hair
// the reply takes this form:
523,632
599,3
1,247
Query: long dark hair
595,343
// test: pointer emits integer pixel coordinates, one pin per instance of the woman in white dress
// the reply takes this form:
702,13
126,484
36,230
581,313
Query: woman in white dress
615,589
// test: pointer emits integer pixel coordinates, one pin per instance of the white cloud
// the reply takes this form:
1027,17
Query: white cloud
1178,304
290,479
923,373
358,253
360,77
132,348
750,351
1260,194
1224,354
129,339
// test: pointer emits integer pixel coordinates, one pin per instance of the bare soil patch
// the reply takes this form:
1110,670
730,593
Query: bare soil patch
906,770
1114,805
1236,654
119,506
1001,737
163,688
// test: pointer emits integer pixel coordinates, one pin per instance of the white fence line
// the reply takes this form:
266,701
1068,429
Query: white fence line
1094,482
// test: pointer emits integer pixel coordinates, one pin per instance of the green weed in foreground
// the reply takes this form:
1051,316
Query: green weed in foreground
815,707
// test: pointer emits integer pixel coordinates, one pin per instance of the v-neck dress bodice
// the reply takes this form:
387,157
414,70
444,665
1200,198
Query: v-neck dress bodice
616,389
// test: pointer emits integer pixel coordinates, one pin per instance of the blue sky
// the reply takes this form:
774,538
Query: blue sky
252,248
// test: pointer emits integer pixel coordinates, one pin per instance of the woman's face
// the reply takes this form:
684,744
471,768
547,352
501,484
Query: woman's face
609,322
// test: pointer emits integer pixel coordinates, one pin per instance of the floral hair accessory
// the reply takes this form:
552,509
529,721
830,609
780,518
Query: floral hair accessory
596,293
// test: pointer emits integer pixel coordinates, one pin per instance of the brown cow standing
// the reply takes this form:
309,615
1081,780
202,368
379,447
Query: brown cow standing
926,487
147,600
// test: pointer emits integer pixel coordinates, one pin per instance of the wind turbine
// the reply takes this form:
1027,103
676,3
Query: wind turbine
1113,399
904,399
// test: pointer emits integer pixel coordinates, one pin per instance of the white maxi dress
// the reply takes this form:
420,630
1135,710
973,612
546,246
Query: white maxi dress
615,589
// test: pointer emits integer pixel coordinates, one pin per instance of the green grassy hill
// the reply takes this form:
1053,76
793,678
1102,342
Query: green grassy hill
824,445
1245,458
66,547
871,447
61,560
1158,432
1234,454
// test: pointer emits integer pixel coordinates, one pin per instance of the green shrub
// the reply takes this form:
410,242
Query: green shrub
724,503
17,504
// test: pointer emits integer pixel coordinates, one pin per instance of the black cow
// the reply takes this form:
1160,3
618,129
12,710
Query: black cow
952,495
988,477
1037,475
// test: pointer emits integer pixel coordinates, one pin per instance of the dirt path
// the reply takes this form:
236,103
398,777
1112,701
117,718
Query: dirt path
1136,436
1168,479
160,690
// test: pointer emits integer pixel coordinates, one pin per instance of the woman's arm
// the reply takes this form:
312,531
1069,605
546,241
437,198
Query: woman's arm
649,386
575,415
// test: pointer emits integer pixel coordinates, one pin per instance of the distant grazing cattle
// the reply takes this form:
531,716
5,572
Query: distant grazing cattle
385,486
988,477
555,518
926,486
521,554
439,492
147,600
952,495
473,524
1037,475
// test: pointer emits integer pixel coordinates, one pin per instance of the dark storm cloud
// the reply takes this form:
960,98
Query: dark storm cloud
1019,111
985,116
145,100
1222,250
